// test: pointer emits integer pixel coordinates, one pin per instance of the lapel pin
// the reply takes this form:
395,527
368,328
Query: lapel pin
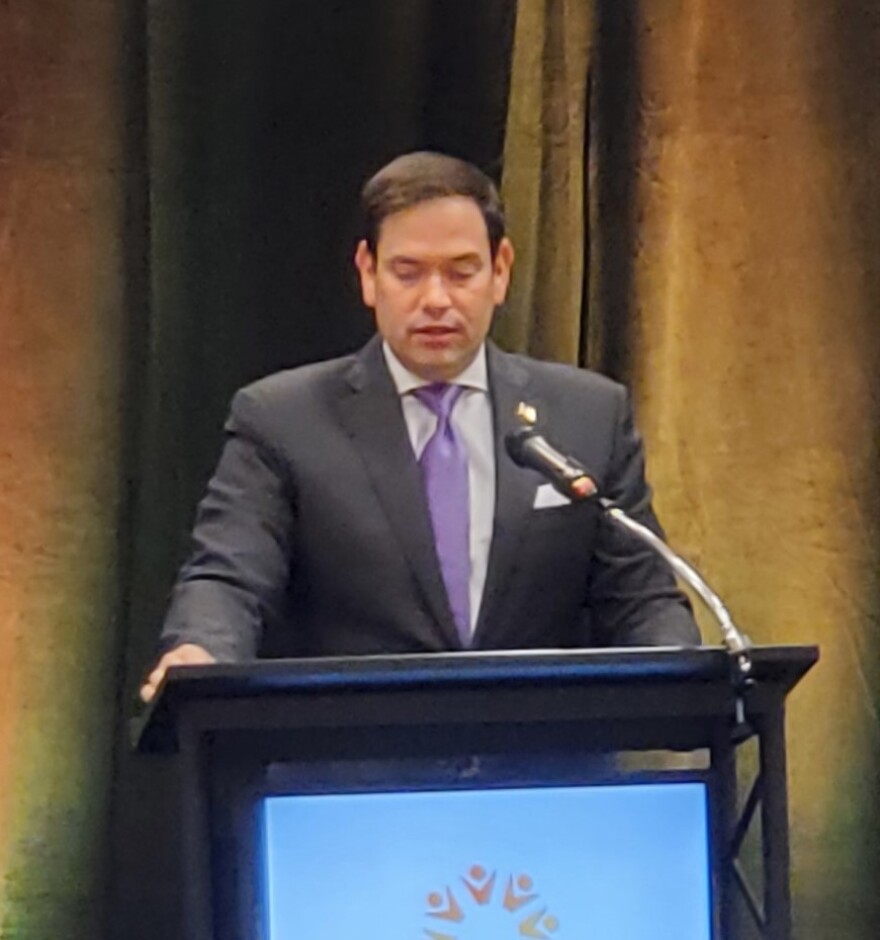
527,413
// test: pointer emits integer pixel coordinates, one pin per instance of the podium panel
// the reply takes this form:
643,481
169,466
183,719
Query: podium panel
474,795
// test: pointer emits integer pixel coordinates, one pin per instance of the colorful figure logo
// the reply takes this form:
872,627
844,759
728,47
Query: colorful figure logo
517,907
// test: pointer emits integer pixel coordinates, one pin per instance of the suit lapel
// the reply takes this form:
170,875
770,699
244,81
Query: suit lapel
369,409
515,489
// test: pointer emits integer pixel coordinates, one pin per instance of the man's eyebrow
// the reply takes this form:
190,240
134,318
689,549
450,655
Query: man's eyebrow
467,257
403,259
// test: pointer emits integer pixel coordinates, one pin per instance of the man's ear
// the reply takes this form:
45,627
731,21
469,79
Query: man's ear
366,265
501,266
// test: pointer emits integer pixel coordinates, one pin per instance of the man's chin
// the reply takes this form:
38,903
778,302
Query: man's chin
440,365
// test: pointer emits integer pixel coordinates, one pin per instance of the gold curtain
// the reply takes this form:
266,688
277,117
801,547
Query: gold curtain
744,259
544,178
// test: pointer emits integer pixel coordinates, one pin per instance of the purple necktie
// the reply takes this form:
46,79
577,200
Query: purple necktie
445,472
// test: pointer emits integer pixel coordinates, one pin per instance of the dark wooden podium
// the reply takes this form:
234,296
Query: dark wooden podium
525,713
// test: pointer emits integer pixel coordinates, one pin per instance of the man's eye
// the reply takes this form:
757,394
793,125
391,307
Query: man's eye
407,275
460,275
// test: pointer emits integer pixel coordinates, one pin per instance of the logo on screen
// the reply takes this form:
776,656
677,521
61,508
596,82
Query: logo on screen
488,905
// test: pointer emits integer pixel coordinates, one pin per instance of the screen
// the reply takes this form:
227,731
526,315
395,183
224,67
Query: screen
620,862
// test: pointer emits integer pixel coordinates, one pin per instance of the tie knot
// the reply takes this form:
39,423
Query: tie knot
440,398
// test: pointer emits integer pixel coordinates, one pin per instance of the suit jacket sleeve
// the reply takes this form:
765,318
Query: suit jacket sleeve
634,600
235,579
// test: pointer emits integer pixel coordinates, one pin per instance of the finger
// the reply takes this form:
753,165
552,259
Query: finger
147,691
155,677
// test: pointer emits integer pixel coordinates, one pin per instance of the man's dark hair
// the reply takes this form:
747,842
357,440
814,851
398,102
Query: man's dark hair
419,177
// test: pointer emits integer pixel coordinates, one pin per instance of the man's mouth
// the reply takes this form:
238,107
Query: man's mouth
435,330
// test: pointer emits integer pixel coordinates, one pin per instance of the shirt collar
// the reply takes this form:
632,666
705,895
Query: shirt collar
474,376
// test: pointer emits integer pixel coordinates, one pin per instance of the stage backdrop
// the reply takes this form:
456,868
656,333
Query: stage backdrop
693,191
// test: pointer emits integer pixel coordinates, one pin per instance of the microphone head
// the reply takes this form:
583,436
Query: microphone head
515,442
528,449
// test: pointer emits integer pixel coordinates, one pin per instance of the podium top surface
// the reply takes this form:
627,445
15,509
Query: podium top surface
778,666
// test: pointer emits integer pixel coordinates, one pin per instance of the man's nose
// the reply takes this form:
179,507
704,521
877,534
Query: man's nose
436,296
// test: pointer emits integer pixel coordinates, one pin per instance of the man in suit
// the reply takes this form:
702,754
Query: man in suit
367,504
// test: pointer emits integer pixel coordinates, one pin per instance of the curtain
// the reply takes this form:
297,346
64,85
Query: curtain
543,180
67,194
731,219
264,121
693,195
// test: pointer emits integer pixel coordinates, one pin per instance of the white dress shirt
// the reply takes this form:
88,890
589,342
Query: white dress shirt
472,420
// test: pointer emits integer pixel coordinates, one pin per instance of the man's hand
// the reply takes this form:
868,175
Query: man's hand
188,654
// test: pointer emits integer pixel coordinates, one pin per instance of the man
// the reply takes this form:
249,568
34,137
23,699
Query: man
367,505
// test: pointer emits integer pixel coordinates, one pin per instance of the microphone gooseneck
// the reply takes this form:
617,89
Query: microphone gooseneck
527,448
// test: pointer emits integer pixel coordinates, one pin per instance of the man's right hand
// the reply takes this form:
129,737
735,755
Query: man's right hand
187,654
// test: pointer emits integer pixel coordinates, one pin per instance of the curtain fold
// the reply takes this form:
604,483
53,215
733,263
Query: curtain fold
543,179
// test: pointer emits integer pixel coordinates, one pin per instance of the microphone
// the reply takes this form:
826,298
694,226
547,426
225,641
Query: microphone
528,449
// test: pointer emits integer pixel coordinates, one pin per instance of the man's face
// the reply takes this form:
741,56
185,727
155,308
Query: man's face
434,285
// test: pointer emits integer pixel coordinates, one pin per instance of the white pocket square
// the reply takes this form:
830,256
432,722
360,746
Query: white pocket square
547,496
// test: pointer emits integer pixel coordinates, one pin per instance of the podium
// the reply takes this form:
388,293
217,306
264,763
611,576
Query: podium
470,721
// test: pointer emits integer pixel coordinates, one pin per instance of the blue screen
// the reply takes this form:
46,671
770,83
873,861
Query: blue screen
622,862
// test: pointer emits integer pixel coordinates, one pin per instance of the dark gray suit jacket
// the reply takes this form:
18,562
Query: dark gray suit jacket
314,537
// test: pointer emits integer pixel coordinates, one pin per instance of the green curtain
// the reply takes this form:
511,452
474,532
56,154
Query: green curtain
264,121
